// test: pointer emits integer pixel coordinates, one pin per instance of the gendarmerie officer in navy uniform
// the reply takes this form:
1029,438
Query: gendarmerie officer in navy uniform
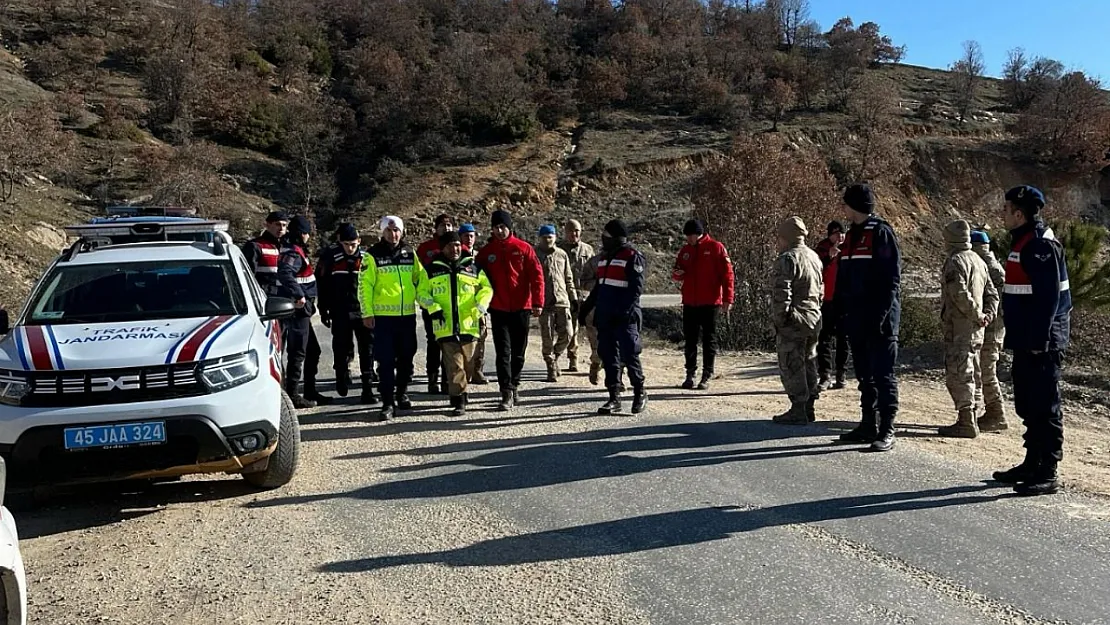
262,252
615,301
337,274
868,285
297,281
1036,303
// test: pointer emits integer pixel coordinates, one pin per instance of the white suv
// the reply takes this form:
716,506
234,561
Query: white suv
147,350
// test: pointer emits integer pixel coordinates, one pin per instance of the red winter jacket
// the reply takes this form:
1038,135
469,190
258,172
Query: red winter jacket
427,251
515,273
705,271
831,262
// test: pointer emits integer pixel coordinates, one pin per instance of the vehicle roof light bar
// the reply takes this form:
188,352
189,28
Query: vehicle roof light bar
151,211
100,230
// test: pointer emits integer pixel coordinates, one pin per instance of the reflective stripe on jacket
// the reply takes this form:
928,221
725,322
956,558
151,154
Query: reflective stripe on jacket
461,291
1036,298
388,281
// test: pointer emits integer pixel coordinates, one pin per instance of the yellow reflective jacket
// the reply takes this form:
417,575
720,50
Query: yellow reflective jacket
388,281
461,291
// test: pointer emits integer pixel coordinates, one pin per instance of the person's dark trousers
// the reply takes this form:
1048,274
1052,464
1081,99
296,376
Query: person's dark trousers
302,352
510,344
832,346
434,366
394,350
1037,401
346,333
700,322
874,357
618,344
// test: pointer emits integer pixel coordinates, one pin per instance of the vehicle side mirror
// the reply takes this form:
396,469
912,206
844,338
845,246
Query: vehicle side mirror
278,308
5,323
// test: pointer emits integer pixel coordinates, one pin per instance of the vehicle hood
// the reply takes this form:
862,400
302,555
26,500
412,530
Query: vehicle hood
113,345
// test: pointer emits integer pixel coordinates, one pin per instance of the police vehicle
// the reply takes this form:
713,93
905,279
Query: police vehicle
146,351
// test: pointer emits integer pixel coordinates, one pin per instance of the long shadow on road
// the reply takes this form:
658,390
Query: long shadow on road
535,461
669,529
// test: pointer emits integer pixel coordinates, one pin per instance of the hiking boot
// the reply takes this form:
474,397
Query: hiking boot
704,384
311,395
506,403
403,401
994,418
368,397
595,374
885,440
964,427
572,365
1042,481
688,383
552,372
300,402
865,432
1020,473
639,400
458,406
613,405
795,415
824,383
516,397
385,414
839,384
811,410
478,378
342,382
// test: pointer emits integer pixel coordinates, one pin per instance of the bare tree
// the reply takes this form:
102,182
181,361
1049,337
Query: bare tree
792,15
31,141
1069,123
779,99
966,76
873,146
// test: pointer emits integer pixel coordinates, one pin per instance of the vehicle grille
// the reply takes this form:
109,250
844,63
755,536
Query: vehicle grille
112,386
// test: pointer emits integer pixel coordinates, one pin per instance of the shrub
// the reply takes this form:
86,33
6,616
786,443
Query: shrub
921,325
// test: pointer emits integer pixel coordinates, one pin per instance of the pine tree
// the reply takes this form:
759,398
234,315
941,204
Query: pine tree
1088,270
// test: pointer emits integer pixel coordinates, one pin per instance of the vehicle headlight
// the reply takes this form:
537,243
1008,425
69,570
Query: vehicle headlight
13,386
229,371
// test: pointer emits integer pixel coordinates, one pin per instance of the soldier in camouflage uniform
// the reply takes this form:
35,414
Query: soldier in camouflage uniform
580,253
796,292
560,300
988,392
969,301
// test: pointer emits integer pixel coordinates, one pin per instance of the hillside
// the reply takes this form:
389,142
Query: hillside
248,124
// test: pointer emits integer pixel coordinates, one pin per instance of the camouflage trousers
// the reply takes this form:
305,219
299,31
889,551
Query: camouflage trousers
577,329
988,390
554,332
961,366
797,351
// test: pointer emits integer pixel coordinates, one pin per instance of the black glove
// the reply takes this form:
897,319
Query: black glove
438,316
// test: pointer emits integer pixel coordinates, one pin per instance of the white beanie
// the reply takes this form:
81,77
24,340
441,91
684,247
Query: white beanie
391,221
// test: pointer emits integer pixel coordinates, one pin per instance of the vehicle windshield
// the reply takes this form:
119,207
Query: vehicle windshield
136,292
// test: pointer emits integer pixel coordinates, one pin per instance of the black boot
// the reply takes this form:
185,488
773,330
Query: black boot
1022,472
311,394
1043,481
433,386
506,403
614,404
368,397
865,432
704,384
811,410
688,383
458,406
639,400
516,397
300,402
386,413
885,440
403,402
342,382
839,384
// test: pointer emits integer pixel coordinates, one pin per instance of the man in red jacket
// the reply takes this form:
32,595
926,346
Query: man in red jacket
704,270
832,341
517,278
434,365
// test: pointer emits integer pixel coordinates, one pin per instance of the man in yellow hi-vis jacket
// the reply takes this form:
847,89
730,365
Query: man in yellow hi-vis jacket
387,296
456,294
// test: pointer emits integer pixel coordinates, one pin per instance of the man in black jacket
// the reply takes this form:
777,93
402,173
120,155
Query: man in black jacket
297,281
337,273
867,294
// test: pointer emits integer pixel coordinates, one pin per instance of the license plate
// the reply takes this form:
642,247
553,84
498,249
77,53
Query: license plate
117,435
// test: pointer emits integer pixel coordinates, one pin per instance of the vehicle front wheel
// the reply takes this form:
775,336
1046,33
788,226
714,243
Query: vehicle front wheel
282,464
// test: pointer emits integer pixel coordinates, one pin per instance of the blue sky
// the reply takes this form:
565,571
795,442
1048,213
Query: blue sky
1073,32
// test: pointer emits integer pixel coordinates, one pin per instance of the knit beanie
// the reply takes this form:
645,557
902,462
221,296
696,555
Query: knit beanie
1029,199
793,228
501,218
694,226
958,231
860,198
390,221
449,237
346,232
617,229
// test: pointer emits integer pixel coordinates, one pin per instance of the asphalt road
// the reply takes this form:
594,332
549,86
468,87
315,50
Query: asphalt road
722,518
